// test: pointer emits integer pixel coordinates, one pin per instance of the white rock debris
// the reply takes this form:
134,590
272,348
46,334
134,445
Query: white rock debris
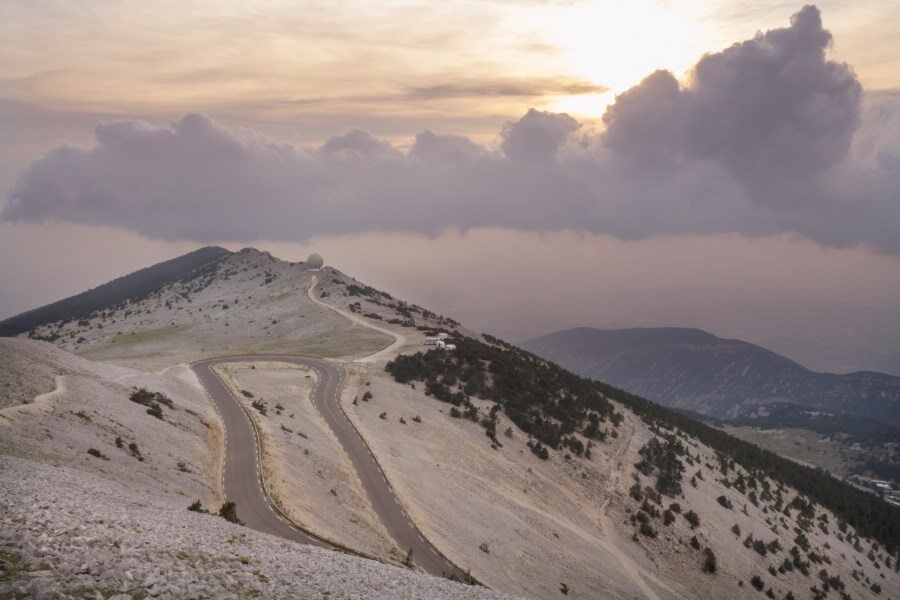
66,533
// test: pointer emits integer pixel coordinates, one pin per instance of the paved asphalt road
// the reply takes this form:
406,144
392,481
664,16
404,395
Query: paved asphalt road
242,483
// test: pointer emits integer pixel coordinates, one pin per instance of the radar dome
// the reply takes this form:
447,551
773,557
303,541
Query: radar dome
315,261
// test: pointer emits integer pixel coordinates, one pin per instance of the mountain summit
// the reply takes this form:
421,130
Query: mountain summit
131,287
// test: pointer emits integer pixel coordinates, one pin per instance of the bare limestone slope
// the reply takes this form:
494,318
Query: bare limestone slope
89,409
67,533
94,493
571,524
72,428
577,524
530,526
251,302
32,369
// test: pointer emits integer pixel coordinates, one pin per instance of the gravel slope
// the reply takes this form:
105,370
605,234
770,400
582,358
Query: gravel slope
67,533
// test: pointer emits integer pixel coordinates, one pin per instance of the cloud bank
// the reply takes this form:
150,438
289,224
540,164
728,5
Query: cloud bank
766,137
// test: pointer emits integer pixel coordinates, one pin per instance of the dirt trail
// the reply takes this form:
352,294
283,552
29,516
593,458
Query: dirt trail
637,574
39,403
391,350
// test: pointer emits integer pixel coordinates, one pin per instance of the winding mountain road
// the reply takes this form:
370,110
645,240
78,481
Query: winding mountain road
243,484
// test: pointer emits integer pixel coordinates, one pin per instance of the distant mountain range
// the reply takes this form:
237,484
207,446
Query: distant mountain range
694,370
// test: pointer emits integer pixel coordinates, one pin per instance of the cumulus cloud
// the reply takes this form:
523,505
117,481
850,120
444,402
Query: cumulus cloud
768,136
772,111
357,144
536,137
446,150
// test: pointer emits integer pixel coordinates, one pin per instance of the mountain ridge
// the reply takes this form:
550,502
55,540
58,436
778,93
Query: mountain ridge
693,369
121,289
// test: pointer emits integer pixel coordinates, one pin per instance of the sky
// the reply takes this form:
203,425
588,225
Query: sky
521,165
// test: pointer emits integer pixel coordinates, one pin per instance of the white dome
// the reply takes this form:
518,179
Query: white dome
315,261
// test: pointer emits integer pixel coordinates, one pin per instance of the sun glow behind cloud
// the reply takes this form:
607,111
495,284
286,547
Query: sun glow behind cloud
619,43
322,66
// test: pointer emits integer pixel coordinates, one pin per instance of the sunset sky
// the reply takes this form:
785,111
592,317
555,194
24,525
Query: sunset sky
713,164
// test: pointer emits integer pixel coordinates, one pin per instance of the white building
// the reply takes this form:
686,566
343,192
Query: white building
439,342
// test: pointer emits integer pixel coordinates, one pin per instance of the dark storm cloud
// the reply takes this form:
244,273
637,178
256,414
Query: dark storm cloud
765,138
